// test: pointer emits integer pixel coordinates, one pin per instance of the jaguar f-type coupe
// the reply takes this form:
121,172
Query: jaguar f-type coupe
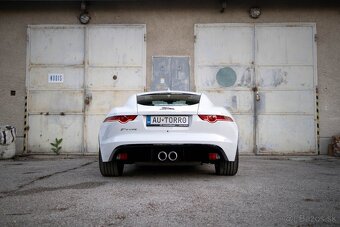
168,127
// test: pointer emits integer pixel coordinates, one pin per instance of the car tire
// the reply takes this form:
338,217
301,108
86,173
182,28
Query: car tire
227,168
110,169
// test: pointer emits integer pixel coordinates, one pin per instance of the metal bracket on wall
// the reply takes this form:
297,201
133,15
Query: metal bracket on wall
224,5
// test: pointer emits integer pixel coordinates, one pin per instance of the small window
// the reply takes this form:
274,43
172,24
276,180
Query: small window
168,99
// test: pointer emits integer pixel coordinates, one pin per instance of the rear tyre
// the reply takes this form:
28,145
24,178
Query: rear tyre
227,168
110,169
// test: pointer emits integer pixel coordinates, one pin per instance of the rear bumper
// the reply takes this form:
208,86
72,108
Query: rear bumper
186,152
190,147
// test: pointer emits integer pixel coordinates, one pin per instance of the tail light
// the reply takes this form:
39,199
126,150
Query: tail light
215,118
121,119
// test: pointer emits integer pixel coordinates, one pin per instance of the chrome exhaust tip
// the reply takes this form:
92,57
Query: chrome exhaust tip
172,156
162,156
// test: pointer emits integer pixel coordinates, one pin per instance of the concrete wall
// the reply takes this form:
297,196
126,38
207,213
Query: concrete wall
170,31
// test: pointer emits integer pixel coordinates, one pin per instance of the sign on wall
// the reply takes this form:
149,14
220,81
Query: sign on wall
55,78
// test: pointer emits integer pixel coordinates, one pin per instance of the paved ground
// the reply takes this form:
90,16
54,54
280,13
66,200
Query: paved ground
265,192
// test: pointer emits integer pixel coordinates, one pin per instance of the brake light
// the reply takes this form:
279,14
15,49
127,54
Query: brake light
215,118
122,156
213,156
121,119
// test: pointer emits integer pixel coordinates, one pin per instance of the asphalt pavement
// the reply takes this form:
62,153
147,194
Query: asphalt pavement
267,191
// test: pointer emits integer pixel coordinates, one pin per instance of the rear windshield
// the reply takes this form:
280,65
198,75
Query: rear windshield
168,99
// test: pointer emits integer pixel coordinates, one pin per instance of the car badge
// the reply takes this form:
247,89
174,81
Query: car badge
167,108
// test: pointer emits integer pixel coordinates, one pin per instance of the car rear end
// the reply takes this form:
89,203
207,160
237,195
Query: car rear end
169,127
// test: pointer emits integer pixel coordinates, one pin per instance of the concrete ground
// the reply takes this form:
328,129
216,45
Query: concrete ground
267,191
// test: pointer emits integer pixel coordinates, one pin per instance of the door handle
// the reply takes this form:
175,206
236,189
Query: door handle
257,96
88,98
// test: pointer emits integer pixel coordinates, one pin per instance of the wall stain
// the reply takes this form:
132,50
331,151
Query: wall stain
234,102
274,78
246,78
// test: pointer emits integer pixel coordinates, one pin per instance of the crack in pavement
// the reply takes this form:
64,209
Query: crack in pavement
11,192
84,185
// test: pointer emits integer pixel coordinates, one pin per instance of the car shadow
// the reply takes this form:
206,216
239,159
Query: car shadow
147,169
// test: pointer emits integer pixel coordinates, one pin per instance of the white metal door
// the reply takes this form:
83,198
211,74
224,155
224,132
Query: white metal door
265,74
224,71
116,70
55,107
286,82
68,66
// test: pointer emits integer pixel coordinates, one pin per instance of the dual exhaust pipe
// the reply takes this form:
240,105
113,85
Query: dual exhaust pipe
172,156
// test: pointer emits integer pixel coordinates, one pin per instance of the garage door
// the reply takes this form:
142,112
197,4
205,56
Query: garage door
75,75
265,74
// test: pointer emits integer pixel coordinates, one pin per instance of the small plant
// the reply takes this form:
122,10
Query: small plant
56,146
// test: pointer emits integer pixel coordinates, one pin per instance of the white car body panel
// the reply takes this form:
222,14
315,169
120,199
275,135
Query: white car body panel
223,134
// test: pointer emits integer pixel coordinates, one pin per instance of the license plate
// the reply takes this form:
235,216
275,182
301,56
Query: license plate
167,121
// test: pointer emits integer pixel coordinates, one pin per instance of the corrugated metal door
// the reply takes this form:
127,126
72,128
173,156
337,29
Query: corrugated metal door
265,74
286,81
55,107
75,75
224,71
116,70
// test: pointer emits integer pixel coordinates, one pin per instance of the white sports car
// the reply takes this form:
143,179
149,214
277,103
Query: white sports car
168,126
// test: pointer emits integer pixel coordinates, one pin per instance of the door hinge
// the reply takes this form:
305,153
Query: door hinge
315,37
144,37
195,38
